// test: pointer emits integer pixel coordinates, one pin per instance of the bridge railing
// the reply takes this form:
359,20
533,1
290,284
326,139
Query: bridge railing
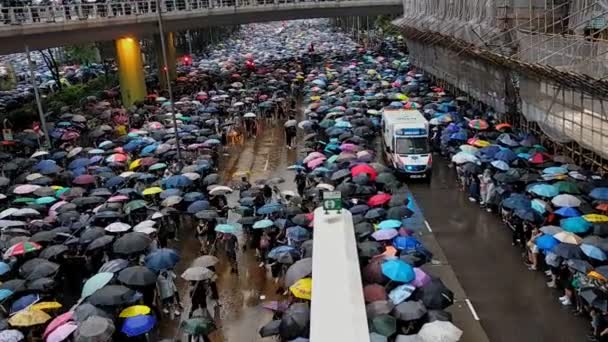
31,15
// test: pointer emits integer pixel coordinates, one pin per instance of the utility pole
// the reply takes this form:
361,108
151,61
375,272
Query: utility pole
47,141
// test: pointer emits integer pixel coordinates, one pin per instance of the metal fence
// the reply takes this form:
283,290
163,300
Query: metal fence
29,15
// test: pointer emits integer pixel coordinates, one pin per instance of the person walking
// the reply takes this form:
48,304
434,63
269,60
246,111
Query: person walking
167,292
300,181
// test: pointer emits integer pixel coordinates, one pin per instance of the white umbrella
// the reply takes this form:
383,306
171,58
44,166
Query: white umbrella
191,175
566,201
74,152
26,189
147,230
144,224
157,215
462,157
197,274
8,212
325,186
290,123
249,115
117,227
440,331
216,190
33,176
567,237
11,223
26,212
39,154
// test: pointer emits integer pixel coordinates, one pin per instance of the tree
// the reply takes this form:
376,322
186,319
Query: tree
82,54
51,63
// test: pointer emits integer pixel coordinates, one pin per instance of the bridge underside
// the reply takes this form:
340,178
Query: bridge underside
44,35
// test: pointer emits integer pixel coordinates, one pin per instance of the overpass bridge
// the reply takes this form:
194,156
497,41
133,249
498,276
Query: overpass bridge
41,27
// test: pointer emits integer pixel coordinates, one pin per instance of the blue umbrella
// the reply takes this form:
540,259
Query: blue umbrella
488,152
115,181
528,214
138,325
44,164
4,268
212,142
78,163
263,224
500,165
401,293
390,224
298,234
226,228
567,212
296,167
149,149
47,170
359,209
516,201
599,194
5,293
276,252
162,259
197,206
147,177
575,224
539,205
24,302
396,104
269,208
194,196
170,192
343,124
177,181
461,135
398,270
555,170
544,190
406,243
593,252
546,242
505,155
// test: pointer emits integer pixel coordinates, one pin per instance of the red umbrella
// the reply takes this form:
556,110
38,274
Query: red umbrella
57,322
374,292
372,273
539,158
148,161
378,200
84,180
364,169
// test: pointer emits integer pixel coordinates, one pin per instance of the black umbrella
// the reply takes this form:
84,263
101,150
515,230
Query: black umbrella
15,285
44,236
111,295
399,213
340,174
132,243
300,269
369,248
365,190
409,311
385,178
211,179
359,209
568,251
53,251
44,191
375,213
270,329
90,234
137,276
379,307
86,310
300,220
42,268
100,242
306,248
295,321
435,295
361,179
600,229
84,201
41,284
595,297
114,265
347,189
439,315
207,214
399,199
364,229
579,265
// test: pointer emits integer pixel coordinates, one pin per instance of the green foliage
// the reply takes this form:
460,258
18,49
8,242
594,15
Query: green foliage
81,54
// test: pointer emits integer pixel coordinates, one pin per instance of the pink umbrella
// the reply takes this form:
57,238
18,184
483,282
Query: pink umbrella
349,147
118,198
421,278
54,207
26,189
84,180
57,322
313,155
62,332
70,135
316,162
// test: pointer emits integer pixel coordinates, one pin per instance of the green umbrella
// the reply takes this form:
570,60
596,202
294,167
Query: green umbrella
24,200
60,192
263,224
198,325
45,200
225,228
95,283
134,205
566,187
327,123
157,166
332,159
384,325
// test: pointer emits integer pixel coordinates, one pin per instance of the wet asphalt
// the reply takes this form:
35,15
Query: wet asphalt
513,303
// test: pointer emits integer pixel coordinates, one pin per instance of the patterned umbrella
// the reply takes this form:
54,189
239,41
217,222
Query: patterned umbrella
21,248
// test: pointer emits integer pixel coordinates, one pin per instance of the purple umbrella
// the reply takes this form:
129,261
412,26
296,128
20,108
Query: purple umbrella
385,234
421,278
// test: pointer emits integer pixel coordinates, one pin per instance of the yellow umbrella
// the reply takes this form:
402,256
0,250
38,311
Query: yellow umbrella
134,310
315,98
481,143
595,218
401,97
300,77
28,318
56,187
302,288
152,191
46,306
135,164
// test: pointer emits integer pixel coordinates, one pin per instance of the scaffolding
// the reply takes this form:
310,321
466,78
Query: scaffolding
552,52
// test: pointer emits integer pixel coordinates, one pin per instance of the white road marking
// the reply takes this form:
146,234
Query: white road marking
266,165
428,226
472,309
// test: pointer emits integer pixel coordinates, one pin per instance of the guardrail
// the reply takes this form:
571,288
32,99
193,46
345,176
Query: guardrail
28,15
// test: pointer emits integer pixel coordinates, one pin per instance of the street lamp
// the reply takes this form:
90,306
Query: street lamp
47,141
166,70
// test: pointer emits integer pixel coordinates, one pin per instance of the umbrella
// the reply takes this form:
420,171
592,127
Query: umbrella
161,259
385,234
295,321
544,190
546,242
28,318
58,322
575,224
378,200
435,295
137,276
138,325
95,283
401,293
302,288
378,307
62,332
95,328
135,310
398,270
132,243
117,227
566,200
11,335
384,325
199,324
270,329
440,331
600,194
205,261
568,237
408,311
197,274
111,295
24,302
21,248
300,269
374,292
